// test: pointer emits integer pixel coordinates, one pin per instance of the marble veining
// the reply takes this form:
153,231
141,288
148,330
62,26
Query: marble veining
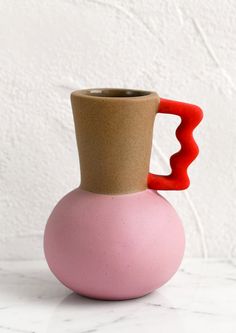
200,297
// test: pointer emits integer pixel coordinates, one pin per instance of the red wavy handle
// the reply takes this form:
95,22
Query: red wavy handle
191,115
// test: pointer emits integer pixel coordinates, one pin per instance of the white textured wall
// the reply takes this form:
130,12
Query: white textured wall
185,50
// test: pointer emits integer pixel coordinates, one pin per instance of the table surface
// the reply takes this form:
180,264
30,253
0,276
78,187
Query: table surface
201,297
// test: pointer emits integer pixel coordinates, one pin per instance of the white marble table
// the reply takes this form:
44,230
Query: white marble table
200,298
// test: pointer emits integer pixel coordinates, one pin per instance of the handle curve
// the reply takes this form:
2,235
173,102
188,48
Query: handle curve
191,115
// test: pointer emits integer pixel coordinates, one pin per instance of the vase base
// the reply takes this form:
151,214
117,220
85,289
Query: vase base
113,298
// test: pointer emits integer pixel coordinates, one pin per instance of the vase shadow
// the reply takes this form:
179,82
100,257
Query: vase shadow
149,313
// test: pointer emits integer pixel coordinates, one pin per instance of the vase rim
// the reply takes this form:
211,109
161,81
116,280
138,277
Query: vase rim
115,94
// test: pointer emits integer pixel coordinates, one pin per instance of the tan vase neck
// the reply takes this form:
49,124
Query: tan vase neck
114,137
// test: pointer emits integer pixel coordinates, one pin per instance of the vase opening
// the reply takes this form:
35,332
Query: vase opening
115,93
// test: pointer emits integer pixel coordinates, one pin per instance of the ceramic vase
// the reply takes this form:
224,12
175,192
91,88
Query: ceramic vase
115,237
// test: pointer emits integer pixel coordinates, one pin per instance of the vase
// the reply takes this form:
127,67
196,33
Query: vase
115,237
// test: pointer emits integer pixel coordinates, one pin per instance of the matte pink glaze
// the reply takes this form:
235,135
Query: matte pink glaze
113,246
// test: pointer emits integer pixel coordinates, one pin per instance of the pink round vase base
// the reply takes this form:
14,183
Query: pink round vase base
113,247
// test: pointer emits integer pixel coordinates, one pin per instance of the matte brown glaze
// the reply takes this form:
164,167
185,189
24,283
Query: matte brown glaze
114,137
